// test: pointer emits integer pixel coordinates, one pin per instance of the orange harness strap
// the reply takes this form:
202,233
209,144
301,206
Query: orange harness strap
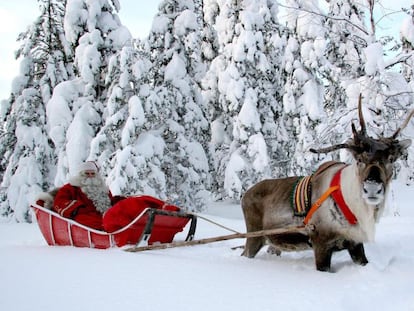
319,202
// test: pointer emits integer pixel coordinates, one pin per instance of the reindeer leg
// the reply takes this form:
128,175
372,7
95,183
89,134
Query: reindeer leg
323,257
253,246
357,253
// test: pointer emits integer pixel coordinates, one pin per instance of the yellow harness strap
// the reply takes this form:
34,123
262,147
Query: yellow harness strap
319,202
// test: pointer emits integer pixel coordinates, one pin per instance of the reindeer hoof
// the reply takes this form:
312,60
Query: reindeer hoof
362,262
324,269
272,250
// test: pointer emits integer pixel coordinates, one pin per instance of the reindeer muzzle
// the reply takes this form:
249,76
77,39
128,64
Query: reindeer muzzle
373,185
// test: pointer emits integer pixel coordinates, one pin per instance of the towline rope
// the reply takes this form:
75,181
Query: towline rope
213,222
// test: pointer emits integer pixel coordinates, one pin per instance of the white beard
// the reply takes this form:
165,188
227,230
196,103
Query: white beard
95,189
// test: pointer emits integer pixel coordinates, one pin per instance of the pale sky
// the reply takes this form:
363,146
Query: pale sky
17,15
137,15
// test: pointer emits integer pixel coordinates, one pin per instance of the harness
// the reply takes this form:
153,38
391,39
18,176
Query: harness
302,192
302,195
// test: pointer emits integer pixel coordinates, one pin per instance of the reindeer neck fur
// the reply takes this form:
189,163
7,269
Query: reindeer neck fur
329,218
366,214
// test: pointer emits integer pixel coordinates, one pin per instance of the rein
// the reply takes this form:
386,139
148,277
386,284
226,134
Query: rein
335,191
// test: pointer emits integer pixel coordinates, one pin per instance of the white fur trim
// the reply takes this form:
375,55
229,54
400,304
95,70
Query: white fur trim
46,198
87,166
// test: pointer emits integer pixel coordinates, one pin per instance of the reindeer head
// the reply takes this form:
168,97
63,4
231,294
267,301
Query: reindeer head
374,157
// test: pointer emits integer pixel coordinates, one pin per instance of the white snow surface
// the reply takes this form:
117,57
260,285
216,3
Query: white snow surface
35,276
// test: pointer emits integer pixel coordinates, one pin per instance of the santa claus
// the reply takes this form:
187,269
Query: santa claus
85,198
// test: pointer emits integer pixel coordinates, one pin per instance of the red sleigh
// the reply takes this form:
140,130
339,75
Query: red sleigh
153,224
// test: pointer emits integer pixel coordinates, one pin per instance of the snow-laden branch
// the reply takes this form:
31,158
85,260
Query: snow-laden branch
325,16
401,58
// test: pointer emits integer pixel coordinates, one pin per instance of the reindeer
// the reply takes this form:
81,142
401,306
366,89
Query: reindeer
334,225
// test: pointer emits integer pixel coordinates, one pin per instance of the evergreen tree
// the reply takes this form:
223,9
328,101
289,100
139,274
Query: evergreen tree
240,89
120,84
177,70
210,50
407,39
27,164
135,167
303,88
358,60
347,37
77,108
407,53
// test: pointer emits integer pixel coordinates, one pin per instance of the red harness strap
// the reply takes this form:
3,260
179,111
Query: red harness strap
339,199
336,193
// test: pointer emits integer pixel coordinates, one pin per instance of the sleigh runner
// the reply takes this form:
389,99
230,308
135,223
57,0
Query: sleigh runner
151,225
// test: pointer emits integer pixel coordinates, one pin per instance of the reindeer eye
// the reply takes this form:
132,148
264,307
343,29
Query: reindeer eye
392,158
360,163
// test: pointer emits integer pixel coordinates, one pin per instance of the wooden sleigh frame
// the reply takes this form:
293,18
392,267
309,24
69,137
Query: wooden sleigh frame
151,226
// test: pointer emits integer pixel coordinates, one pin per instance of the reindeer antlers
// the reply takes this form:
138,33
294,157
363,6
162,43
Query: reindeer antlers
361,117
405,123
361,141
358,136
331,148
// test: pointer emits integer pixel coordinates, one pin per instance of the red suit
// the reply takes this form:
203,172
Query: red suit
71,202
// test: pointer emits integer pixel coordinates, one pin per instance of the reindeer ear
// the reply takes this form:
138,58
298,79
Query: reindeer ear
405,143
401,150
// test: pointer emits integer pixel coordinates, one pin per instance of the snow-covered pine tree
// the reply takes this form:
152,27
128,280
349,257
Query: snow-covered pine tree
136,164
407,40
347,37
209,41
389,92
210,50
303,87
175,41
359,67
364,71
122,85
26,152
240,91
76,108
406,57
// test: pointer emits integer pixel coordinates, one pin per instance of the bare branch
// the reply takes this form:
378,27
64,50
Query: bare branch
386,15
371,4
398,59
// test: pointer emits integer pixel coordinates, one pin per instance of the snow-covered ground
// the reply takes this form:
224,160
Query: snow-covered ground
34,276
